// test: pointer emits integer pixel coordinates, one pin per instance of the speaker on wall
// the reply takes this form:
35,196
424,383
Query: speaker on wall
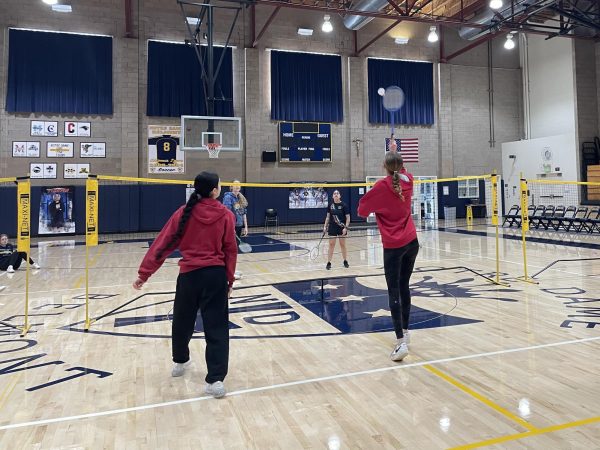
269,156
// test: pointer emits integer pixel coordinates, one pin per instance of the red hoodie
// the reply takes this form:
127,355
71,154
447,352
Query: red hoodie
208,240
393,215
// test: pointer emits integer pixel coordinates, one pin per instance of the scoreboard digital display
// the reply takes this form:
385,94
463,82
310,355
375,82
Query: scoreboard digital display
304,142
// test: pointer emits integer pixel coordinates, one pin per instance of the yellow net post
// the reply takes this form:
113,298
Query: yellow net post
525,227
495,224
91,236
24,237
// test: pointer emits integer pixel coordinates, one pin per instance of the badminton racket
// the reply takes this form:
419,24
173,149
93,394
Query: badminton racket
393,100
314,253
244,246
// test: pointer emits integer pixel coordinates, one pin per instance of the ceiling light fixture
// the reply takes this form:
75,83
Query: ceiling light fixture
305,31
62,8
509,44
50,2
327,27
401,40
433,36
496,4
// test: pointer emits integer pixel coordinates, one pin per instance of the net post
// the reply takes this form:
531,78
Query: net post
495,223
24,237
91,237
525,226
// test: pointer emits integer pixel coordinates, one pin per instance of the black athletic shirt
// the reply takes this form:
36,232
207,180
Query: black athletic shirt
339,211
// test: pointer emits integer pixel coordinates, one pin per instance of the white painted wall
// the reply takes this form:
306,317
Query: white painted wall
551,89
529,160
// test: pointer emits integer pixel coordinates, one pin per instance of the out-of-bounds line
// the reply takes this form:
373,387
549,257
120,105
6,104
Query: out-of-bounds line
291,384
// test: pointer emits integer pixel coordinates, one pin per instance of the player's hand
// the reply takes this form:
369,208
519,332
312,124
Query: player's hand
230,292
137,284
245,232
345,231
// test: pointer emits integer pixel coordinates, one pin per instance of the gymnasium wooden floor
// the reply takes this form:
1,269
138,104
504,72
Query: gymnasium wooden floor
489,366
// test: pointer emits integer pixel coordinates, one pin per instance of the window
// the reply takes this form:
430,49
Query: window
468,188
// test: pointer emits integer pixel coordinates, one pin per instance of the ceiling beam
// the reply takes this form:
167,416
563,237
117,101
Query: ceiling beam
264,28
376,38
378,15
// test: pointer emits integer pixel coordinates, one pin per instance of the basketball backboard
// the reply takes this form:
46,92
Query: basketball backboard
197,131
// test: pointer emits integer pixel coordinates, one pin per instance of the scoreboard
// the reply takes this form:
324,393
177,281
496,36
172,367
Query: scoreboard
304,142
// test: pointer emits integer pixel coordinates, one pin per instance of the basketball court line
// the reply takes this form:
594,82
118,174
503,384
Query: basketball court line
454,382
295,383
536,432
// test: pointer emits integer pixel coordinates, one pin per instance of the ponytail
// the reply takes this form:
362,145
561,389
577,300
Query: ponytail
204,184
187,212
393,163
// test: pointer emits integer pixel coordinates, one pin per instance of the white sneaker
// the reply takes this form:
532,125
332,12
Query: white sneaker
36,266
10,269
179,368
406,336
400,351
237,275
216,389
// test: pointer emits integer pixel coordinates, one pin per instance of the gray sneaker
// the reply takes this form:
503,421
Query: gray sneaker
400,351
216,389
179,368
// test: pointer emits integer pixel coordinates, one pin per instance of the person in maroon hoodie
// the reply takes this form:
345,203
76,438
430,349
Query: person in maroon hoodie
390,200
204,232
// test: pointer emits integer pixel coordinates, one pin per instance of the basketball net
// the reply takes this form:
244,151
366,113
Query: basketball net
213,149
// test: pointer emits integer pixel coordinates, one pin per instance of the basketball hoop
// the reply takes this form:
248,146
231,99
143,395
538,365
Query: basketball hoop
213,149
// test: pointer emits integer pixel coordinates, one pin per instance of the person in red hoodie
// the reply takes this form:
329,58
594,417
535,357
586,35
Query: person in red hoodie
204,232
390,200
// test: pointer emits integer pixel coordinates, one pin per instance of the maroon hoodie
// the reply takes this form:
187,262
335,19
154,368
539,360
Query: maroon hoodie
208,240
393,214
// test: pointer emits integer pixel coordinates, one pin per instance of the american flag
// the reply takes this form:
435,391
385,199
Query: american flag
408,148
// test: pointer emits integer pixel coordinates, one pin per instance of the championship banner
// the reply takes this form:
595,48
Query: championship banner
24,216
164,154
91,212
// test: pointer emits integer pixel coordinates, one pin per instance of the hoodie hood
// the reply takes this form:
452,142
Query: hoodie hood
406,181
208,211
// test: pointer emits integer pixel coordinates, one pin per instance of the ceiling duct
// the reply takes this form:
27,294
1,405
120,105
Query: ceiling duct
490,17
357,22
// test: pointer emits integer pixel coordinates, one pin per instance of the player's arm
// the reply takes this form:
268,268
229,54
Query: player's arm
326,224
372,201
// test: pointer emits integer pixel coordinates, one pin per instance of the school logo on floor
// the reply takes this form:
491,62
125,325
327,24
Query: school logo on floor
348,305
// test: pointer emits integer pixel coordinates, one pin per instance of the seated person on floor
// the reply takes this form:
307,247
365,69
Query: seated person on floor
10,259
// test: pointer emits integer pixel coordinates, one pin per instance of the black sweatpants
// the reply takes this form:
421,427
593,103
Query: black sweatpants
14,259
205,290
398,264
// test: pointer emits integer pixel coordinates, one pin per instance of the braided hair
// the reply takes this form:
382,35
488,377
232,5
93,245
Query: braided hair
393,164
204,183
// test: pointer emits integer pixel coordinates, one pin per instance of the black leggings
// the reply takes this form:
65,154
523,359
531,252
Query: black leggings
205,289
398,264
14,259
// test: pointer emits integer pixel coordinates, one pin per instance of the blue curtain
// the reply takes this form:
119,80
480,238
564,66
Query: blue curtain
415,79
306,87
175,84
59,73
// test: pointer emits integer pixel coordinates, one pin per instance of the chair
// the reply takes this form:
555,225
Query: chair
512,215
271,217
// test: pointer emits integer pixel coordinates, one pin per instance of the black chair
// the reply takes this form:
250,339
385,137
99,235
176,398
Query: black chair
554,220
579,219
566,219
512,215
538,213
271,217
592,221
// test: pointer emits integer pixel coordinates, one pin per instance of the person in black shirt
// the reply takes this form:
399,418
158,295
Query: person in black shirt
10,259
336,226
56,211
